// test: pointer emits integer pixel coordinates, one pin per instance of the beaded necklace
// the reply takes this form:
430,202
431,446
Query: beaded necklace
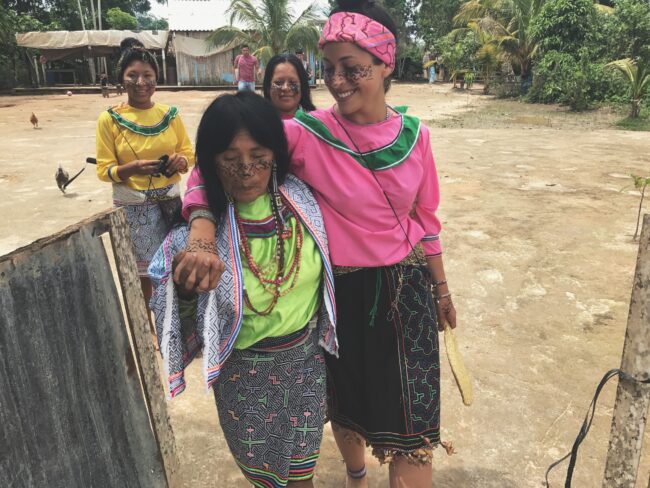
273,285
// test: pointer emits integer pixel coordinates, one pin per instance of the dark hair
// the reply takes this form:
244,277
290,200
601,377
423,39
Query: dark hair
224,118
132,54
305,94
129,42
300,51
376,12
245,46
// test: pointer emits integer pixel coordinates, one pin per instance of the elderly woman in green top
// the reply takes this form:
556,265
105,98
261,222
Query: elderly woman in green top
266,327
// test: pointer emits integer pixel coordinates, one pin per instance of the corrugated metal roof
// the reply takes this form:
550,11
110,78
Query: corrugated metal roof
208,15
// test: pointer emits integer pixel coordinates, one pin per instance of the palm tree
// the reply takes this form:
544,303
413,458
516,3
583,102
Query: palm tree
269,28
508,23
637,74
489,54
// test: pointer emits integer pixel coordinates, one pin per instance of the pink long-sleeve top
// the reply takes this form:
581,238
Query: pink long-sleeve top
362,228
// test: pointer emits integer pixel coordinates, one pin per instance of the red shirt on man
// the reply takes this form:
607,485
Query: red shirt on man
247,65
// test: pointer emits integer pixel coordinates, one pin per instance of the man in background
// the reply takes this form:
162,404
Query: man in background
300,54
247,67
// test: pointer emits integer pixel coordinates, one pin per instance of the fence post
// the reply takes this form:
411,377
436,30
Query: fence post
138,323
632,399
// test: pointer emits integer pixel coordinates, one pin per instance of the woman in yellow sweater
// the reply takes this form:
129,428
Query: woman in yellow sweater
132,141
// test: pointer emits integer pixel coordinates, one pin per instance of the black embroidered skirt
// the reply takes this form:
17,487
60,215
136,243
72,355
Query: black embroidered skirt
271,408
385,385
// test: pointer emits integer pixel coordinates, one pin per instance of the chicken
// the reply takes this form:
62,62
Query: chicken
34,120
62,178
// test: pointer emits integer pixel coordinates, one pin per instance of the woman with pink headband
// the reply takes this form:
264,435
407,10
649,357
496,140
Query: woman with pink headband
372,172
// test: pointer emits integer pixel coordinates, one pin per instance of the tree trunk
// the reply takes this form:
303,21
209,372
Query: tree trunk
636,108
632,398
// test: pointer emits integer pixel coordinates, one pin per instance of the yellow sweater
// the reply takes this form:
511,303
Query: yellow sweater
132,134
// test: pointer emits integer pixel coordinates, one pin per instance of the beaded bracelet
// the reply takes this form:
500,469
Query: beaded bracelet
435,285
440,297
201,214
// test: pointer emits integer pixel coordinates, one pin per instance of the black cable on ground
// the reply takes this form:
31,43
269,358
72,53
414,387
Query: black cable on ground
586,425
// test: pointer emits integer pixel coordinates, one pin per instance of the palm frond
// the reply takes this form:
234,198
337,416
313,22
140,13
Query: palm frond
310,14
626,66
458,33
302,35
228,35
245,13
264,53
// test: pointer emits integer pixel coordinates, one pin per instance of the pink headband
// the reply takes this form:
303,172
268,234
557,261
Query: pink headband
366,33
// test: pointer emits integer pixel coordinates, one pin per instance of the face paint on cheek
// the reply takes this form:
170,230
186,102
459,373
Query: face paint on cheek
359,72
278,87
241,170
353,75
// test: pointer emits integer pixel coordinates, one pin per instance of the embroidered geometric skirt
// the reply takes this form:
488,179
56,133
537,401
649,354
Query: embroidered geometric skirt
147,225
385,385
271,409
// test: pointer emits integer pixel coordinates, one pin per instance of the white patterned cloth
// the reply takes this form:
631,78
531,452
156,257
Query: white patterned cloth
220,311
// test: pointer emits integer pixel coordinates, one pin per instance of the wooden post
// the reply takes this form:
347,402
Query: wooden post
138,323
632,399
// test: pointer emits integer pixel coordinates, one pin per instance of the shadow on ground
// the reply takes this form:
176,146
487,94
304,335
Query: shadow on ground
472,478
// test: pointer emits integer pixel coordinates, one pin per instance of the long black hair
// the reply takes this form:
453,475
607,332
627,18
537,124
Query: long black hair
224,118
305,95
376,12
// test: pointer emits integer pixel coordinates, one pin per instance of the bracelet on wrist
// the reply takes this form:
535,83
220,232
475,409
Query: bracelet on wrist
439,298
435,285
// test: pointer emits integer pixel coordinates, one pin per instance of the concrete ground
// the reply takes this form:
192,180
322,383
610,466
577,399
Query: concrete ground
538,251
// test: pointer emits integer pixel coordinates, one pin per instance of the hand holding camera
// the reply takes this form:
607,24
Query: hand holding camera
164,166
176,163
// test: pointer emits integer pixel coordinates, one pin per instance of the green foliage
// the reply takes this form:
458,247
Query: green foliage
509,23
457,50
578,83
604,36
15,64
563,25
117,19
633,40
640,184
151,22
635,124
637,75
66,12
434,20
269,27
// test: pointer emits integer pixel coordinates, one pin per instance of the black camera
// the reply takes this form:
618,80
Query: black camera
163,161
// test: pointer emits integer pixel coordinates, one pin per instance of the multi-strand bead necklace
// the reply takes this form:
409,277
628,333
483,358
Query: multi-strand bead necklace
273,285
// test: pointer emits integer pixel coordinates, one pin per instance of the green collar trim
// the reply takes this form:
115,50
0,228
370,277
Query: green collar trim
146,130
385,157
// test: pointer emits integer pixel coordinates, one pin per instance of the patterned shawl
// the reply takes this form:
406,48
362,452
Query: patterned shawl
220,311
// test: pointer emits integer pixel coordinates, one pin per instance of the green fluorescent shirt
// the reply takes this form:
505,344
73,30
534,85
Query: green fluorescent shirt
292,311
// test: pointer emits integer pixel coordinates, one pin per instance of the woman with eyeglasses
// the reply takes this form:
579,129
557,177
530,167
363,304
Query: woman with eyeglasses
267,327
142,146
371,169
286,85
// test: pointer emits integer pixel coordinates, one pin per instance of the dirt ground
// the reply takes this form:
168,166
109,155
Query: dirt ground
538,252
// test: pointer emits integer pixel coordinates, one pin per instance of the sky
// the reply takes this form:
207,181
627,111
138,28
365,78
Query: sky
162,10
